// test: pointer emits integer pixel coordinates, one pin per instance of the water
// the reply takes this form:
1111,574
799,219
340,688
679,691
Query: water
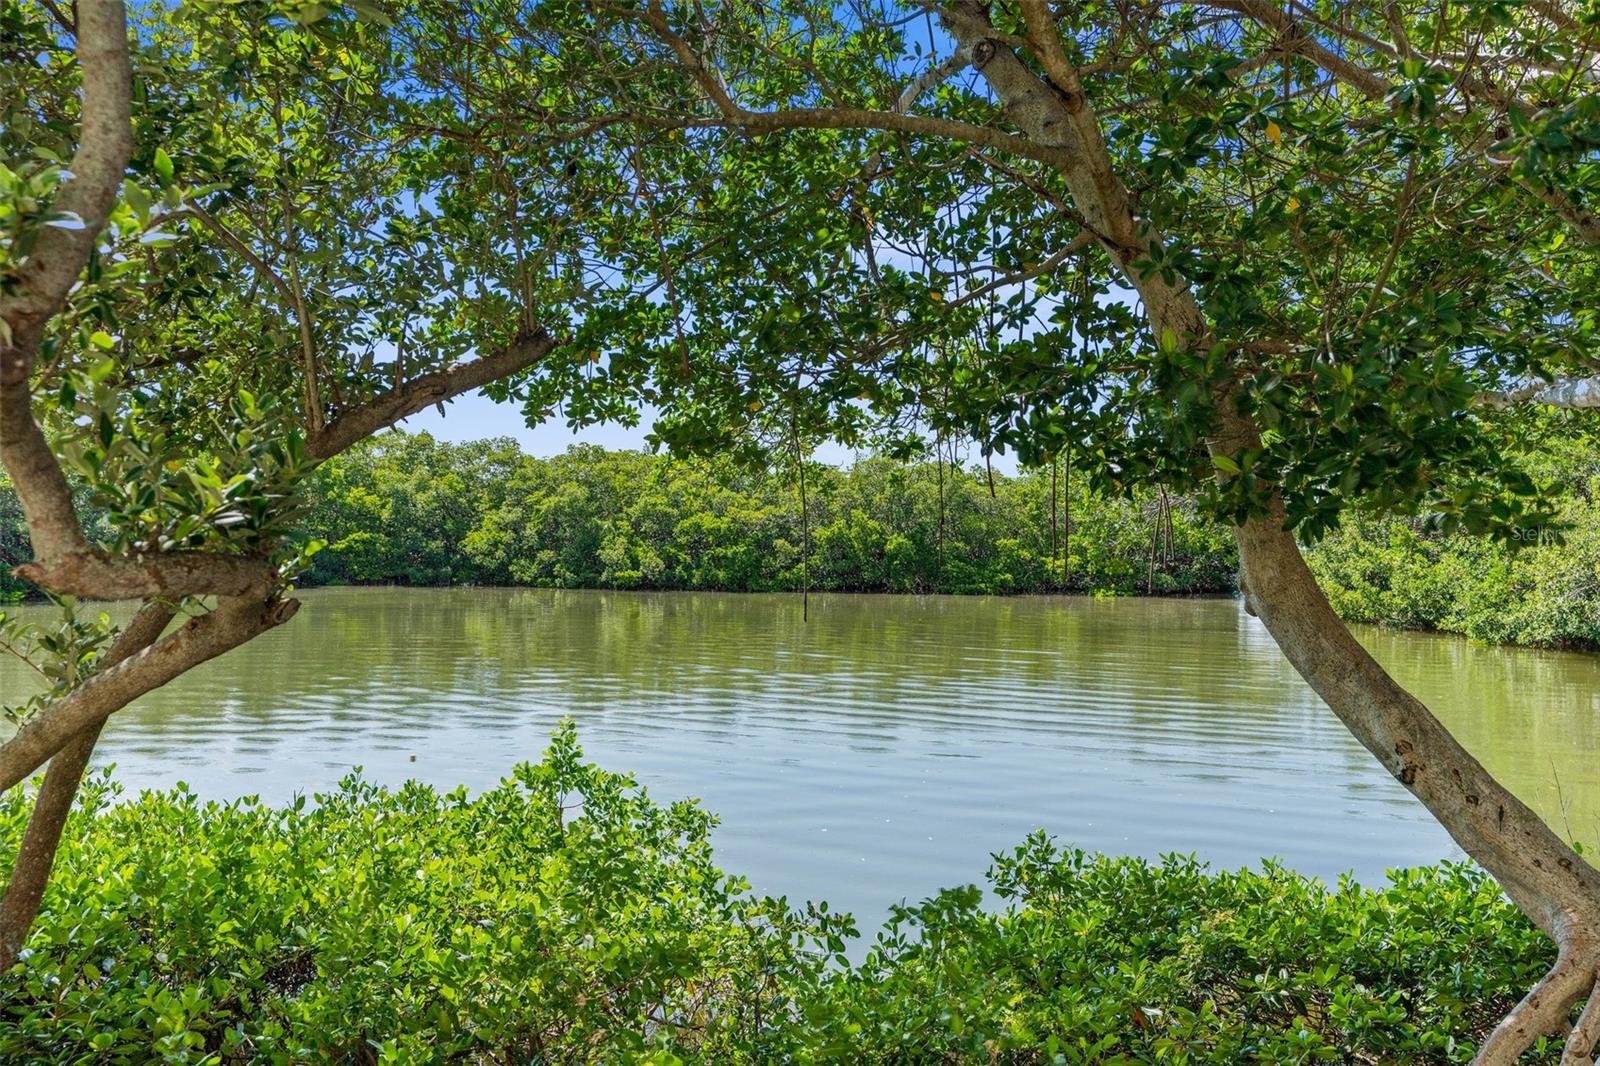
884,748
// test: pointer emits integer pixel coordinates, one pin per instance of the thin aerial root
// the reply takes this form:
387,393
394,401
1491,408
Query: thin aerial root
1580,1045
1541,1011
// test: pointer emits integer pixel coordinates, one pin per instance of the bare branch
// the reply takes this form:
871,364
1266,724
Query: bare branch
1575,393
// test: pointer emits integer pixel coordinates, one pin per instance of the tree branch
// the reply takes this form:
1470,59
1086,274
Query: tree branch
838,117
1079,244
36,857
235,621
64,560
57,258
1544,1008
91,571
1045,43
1575,393
1581,1041
59,254
409,397
1292,37
248,254
62,18
1584,222
959,60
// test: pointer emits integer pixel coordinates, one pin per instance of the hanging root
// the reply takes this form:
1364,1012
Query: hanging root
1581,1042
1544,1010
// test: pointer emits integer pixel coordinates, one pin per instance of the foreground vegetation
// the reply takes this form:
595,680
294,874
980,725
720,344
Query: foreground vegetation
565,917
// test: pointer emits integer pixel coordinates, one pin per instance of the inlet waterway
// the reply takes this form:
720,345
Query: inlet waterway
885,746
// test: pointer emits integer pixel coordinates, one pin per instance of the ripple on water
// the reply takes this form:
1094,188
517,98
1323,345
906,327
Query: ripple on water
884,748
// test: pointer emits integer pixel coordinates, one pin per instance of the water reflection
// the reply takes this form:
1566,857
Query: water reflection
885,747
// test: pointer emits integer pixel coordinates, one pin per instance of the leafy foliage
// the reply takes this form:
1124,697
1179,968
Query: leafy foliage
564,916
1542,589
407,509
1365,269
61,652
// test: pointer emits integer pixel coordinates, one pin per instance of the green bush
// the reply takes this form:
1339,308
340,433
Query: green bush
1393,573
561,917
1117,960
564,917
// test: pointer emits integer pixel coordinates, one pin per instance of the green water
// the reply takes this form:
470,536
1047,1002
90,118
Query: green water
884,748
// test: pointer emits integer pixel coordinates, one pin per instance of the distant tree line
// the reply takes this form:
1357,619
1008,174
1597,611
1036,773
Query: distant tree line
1545,593
406,509
410,510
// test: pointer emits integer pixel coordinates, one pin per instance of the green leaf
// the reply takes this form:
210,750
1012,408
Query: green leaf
163,167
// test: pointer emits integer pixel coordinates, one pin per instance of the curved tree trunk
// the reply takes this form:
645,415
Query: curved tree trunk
1559,890
1545,878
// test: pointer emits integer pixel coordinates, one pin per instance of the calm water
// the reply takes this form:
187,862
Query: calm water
884,748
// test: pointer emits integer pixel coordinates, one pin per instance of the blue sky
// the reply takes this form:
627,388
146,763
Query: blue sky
476,416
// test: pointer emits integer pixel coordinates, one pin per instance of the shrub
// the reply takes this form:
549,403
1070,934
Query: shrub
561,917
1118,960
564,917
1390,572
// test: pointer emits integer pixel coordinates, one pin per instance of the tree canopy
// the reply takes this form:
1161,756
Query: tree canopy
1303,261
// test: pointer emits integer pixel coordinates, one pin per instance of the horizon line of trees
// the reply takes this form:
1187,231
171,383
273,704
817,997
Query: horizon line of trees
408,509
